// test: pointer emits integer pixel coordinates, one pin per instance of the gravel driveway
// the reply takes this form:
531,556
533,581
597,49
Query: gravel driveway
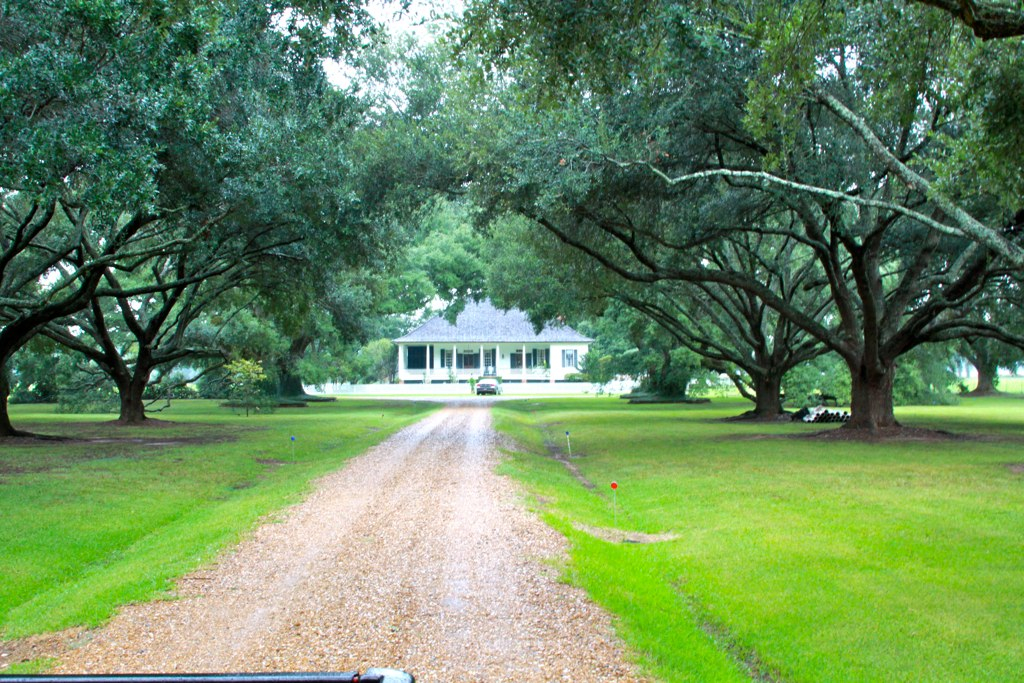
415,555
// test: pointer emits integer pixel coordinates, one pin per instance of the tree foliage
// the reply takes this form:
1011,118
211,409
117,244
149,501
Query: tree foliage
841,119
167,144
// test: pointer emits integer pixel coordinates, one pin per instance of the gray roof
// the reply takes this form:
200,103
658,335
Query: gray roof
482,322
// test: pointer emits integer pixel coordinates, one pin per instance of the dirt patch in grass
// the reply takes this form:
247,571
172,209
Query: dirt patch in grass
621,536
897,434
95,441
751,417
746,657
887,434
45,646
556,452
151,429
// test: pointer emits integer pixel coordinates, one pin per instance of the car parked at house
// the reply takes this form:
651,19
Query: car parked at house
488,386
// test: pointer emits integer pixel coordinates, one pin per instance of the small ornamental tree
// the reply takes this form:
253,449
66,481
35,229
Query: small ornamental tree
246,378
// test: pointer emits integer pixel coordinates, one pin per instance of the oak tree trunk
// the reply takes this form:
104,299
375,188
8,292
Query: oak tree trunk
133,407
289,384
987,371
131,385
871,402
768,403
6,428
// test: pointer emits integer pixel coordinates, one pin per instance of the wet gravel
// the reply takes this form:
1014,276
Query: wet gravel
414,555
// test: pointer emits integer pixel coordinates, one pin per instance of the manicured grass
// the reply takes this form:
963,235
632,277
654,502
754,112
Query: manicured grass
86,526
1011,385
793,558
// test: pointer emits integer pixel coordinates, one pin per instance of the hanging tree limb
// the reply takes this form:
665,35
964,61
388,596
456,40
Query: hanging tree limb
974,229
966,224
988,19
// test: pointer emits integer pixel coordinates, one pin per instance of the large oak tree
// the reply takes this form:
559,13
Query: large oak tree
140,131
851,121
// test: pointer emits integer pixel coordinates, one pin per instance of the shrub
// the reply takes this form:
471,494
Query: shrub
246,389
826,374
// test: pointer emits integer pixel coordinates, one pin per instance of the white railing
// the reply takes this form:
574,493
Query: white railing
465,374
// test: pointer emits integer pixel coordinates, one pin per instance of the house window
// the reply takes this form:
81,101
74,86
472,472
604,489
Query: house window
534,358
570,358
417,359
469,360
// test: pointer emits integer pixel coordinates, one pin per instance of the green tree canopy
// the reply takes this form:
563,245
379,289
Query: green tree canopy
132,131
839,118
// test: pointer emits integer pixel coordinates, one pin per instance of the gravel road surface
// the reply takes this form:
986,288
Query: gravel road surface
415,555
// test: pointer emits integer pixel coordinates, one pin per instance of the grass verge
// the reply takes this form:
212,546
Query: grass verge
113,515
791,559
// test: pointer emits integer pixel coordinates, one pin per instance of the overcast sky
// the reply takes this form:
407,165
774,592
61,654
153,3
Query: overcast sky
423,19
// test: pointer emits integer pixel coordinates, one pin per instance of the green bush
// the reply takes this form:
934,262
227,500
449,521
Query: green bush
248,386
39,372
924,378
826,374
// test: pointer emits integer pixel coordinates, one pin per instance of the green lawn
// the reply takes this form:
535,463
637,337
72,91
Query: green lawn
1010,385
793,559
87,526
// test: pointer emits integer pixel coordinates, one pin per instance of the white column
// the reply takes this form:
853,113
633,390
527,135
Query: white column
551,364
455,363
524,363
401,363
481,368
429,363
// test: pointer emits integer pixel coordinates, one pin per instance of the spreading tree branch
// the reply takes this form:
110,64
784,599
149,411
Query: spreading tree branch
988,20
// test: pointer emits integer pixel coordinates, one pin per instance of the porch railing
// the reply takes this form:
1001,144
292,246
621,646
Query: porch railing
464,374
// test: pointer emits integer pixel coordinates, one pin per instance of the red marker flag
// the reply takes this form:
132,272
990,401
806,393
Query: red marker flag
615,485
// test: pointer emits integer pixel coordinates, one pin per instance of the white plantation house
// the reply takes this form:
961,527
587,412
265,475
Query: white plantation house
487,342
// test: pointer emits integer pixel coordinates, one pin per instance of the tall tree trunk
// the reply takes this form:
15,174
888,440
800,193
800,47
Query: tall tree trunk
987,371
768,403
13,336
133,407
871,402
289,384
131,384
986,380
6,428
